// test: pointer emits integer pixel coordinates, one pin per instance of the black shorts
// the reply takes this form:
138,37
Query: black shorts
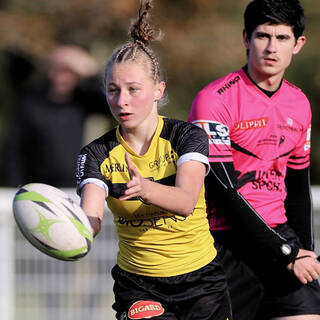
246,290
284,294
201,294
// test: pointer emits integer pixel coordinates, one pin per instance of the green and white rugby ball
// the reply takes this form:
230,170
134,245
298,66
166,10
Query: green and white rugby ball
52,222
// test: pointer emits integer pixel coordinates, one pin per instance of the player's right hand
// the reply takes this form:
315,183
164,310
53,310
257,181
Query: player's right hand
306,267
137,186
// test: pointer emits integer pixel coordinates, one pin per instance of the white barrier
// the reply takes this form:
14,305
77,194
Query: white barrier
35,286
7,268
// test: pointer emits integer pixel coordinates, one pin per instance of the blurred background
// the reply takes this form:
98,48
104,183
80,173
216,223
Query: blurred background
202,41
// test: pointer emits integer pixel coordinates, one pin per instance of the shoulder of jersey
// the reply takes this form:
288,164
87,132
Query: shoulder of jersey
222,85
175,130
171,122
297,92
175,126
52,222
292,85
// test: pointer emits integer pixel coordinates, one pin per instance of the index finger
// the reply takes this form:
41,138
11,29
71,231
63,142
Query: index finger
131,168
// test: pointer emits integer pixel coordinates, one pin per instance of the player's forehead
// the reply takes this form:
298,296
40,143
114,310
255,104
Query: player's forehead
128,72
274,29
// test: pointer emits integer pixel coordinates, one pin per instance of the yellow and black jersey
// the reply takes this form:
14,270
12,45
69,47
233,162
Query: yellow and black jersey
152,241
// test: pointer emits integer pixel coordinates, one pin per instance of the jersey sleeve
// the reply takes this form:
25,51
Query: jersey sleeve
190,143
88,168
210,113
298,204
300,158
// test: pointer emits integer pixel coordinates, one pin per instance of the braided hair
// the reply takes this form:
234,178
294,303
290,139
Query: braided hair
137,50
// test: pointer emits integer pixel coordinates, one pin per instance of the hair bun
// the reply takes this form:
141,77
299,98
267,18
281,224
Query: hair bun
141,31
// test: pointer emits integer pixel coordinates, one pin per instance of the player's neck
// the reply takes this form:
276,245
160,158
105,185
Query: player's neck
269,91
139,139
265,81
140,145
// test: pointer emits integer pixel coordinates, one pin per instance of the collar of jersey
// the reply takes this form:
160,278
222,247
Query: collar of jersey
152,144
246,77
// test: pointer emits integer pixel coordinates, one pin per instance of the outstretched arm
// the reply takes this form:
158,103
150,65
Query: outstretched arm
92,202
243,216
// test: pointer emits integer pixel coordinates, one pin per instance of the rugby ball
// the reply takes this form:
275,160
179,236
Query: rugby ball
52,222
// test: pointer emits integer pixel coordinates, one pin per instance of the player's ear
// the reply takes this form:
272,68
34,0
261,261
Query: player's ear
299,44
160,87
246,40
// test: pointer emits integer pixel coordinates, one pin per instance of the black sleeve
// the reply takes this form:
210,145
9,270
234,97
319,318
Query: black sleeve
298,205
223,180
185,137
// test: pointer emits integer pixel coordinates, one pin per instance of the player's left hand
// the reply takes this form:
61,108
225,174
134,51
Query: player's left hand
306,267
137,186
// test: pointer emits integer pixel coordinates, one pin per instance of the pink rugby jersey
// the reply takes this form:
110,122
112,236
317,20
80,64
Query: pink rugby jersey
261,135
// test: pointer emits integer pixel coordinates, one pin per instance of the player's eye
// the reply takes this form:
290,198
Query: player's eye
262,36
133,89
282,37
112,91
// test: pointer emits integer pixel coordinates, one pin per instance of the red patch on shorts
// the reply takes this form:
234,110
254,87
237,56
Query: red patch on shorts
145,309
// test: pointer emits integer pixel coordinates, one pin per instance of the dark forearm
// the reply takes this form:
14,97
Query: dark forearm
298,205
222,180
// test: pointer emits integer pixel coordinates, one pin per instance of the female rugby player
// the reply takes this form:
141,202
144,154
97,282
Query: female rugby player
150,170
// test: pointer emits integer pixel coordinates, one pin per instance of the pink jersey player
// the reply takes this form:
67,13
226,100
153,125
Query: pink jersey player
261,138
258,191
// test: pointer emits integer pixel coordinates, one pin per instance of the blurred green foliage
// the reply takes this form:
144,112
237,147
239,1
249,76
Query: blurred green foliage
203,41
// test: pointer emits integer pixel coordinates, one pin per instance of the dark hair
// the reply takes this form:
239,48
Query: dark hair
288,12
137,50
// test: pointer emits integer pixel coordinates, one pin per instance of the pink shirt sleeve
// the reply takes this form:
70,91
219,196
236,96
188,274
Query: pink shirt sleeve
201,114
300,158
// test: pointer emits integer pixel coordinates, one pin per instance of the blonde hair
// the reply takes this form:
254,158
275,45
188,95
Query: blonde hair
137,50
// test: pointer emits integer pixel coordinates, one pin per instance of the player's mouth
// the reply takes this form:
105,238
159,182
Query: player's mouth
270,60
124,115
